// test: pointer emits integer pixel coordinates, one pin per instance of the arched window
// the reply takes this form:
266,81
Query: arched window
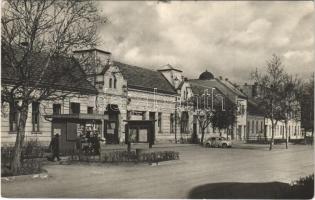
115,82
110,83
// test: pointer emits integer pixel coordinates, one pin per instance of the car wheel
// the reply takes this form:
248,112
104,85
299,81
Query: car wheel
208,145
224,145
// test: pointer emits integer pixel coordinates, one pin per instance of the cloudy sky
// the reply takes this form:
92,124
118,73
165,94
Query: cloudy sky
229,39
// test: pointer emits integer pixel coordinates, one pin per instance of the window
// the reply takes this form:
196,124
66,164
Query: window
13,117
253,126
56,109
172,120
160,122
35,116
184,122
110,82
128,115
261,127
115,82
257,127
74,108
90,110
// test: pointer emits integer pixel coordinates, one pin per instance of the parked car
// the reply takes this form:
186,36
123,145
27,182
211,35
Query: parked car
218,142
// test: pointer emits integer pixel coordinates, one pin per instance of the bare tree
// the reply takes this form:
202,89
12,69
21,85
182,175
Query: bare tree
37,38
307,106
269,99
291,94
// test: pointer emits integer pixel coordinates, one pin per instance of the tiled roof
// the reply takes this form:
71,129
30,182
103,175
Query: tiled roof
199,89
215,83
64,73
253,108
144,79
169,67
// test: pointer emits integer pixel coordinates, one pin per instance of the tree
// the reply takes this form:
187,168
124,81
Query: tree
213,109
37,37
307,106
224,117
291,94
269,99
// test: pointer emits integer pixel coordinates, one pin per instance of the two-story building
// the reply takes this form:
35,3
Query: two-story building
209,86
127,92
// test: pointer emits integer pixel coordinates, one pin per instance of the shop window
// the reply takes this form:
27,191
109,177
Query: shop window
160,122
56,109
35,116
13,116
74,108
90,110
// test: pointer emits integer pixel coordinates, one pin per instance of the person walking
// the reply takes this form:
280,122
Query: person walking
54,146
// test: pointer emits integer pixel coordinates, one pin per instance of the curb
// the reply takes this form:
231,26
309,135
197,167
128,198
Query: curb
169,162
43,175
173,145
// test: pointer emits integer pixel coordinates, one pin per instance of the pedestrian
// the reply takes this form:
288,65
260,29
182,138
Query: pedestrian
54,146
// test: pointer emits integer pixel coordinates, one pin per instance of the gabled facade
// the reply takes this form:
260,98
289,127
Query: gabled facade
128,92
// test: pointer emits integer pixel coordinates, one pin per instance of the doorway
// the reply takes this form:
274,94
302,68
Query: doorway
111,126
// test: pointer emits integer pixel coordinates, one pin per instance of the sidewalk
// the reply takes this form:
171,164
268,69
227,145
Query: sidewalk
171,145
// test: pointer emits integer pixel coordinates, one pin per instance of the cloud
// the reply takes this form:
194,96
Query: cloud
230,39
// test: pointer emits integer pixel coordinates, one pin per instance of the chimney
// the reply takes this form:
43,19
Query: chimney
220,77
226,79
245,84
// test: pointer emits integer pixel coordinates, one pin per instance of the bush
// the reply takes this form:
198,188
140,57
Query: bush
31,156
303,188
125,156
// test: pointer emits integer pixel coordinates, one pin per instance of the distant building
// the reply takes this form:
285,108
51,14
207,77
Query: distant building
259,127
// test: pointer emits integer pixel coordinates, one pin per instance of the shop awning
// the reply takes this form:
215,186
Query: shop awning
81,116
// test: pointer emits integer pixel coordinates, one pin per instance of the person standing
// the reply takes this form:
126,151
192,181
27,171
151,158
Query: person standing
54,146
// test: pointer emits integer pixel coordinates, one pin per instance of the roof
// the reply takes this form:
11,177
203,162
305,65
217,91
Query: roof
215,83
253,108
169,67
144,79
206,75
93,49
62,73
199,89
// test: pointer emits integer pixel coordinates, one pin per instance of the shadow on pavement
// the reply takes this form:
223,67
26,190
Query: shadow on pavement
231,190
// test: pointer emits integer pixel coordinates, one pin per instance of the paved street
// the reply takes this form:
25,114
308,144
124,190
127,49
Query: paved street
197,166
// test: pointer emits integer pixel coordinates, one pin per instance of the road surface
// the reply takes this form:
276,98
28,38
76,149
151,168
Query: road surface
197,166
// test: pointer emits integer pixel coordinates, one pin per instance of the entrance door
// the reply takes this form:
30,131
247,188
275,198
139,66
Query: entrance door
239,132
111,129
